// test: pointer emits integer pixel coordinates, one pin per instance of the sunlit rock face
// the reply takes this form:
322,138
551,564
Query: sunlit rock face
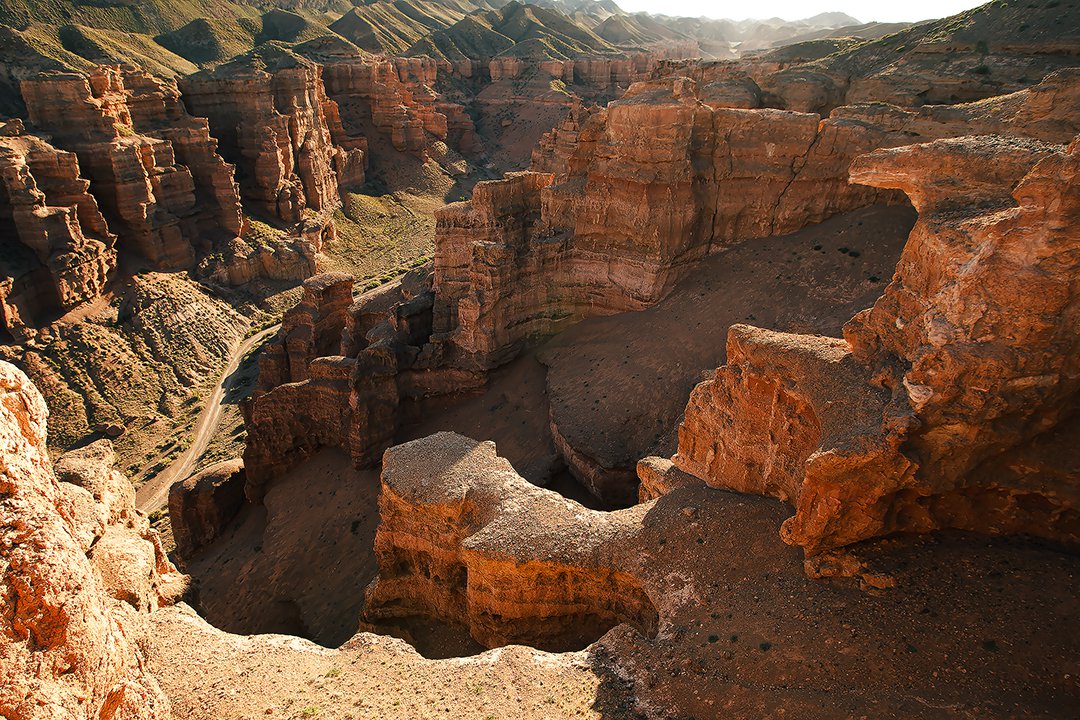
80,569
950,403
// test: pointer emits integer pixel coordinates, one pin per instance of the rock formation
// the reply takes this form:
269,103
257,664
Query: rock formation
984,52
1047,111
652,184
267,109
649,185
58,251
148,194
949,404
454,543
637,195
156,110
335,375
201,506
79,566
312,328
394,95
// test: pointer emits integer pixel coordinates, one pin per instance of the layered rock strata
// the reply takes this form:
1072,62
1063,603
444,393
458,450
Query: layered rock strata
651,184
335,376
1048,111
395,96
949,404
156,110
451,544
646,188
312,328
80,567
268,110
528,255
58,251
145,189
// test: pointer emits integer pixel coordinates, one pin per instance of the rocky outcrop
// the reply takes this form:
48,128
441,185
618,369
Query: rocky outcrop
58,251
552,153
145,190
335,376
156,110
202,506
458,541
267,109
651,184
460,128
492,289
394,96
732,173
124,551
639,193
78,564
1048,111
981,53
533,253
646,187
949,404
302,400
351,155
310,329
658,476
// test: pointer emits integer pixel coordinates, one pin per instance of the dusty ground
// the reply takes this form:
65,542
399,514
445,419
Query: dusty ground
299,563
209,674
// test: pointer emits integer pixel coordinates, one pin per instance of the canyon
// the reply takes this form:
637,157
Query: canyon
559,362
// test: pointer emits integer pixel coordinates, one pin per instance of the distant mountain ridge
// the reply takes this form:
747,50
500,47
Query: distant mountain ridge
177,37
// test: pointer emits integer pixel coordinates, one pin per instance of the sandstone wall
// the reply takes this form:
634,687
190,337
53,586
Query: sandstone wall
59,251
395,94
269,116
312,328
949,404
156,110
645,188
203,505
336,374
147,193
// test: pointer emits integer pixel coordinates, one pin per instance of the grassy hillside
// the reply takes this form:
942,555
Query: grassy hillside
393,27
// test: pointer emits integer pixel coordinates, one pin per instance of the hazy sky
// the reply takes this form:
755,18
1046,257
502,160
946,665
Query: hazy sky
891,11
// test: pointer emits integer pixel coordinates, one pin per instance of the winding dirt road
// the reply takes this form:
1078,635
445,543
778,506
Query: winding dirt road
154,494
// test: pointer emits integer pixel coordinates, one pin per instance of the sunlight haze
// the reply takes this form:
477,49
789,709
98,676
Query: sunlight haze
797,9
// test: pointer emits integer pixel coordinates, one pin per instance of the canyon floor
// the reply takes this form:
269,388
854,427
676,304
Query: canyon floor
615,388
973,628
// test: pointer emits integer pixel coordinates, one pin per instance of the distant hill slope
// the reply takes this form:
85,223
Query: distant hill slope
636,30
994,49
866,31
176,37
515,29
393,27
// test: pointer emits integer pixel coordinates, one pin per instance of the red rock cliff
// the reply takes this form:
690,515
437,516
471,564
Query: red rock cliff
59,251
146,191
78,566
268,111
952,402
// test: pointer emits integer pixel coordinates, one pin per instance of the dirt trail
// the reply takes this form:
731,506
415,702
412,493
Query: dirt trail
155,493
